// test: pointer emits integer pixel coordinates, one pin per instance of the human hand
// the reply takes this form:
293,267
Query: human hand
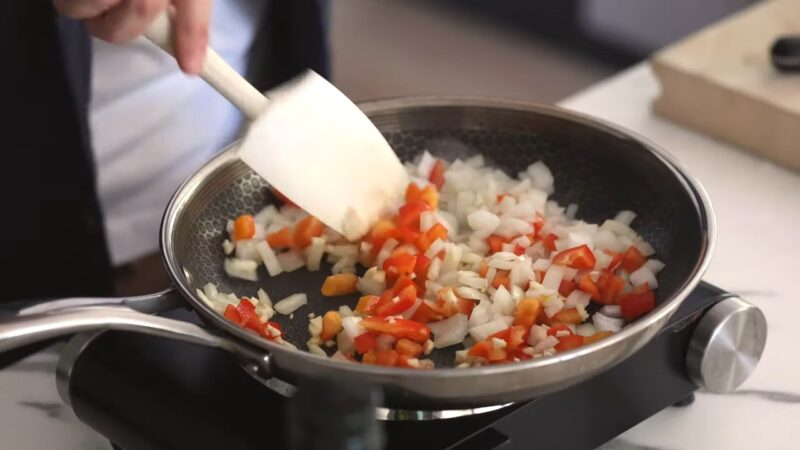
124,20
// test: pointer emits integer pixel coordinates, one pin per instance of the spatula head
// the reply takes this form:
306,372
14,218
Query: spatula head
318,149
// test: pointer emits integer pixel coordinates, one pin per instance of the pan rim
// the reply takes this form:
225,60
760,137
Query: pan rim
662,312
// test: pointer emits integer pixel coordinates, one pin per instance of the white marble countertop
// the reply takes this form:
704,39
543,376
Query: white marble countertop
755,204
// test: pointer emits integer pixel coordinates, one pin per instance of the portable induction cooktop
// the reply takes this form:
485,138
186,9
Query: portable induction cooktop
145,392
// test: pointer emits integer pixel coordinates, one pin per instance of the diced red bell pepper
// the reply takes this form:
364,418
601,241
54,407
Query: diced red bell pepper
580,257
569,342
244,227
549,242
632,259
232,314
513,335
637,305
465,306
402,264
249,318
566,287
408,214
559,327
421,269
408,347
365,342
405,299
570,315
487,351
527,312
426,312
437,174
281,239
612,286
587,285
399,328
495,243
406,235
616,259
402,282
309,227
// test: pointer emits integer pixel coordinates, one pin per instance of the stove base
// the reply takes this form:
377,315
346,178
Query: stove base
144,392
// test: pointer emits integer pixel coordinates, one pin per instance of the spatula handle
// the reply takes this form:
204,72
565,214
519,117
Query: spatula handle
215,71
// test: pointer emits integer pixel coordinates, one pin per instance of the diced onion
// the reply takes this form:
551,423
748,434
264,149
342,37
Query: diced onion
241,268
291,261
450,331
271,262
314,253
289,304
605,323
481,332
643,275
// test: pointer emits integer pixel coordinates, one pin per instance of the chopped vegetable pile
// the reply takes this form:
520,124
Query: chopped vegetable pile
471,258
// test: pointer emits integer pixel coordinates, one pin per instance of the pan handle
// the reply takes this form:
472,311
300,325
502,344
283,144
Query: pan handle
157,303
29,329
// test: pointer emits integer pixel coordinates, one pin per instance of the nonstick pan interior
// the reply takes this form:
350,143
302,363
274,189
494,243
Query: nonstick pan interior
602,170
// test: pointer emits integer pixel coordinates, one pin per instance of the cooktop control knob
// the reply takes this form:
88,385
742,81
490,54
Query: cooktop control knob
726,345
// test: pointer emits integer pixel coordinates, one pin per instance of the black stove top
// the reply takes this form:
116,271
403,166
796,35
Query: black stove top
145,392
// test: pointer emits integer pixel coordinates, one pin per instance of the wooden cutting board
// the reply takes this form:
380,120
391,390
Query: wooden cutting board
720,81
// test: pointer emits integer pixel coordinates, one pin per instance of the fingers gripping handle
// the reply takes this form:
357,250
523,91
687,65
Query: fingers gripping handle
216,72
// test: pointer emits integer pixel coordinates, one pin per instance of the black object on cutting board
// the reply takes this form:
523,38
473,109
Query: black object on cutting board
145,392
785,54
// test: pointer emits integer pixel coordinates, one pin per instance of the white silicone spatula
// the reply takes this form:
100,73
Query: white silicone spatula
310,142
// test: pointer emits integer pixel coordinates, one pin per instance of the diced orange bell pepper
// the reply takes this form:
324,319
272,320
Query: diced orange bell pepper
380,232
526,313
408,347
331,325
569,342
309,227
596,337
281,239
487,351
244,227
586,284
501,278
437,231
406,235
570,315
413,192
339,284
430,196
366,304
387,358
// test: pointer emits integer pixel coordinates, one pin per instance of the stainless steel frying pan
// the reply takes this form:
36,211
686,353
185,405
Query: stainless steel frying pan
602,168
